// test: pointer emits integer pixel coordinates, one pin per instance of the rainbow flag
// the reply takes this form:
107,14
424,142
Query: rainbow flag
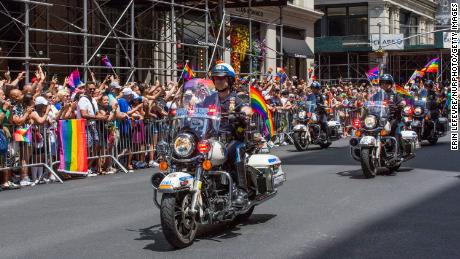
373,75
187,73
106,62
259,106
280,75
74,78
400,90
23,135
73,153
432,66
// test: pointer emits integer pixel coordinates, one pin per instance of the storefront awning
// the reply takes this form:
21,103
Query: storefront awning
195,34
296,48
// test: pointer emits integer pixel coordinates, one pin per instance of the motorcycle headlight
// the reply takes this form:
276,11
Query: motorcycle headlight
418,111
370,122
184,145
302,115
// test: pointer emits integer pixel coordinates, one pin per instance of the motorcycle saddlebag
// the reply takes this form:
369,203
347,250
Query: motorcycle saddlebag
442,124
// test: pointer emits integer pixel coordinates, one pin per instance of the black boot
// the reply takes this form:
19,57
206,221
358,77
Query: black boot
240,195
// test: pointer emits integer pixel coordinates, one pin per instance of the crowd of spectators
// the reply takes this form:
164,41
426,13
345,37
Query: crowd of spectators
125,112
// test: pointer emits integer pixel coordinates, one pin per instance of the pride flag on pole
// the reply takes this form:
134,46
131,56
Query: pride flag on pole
187,73
259,106
106,62
73,153
74,78
432,66
280,75
373,75
400,90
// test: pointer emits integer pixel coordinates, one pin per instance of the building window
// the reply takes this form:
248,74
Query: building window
337,18
357,20
342,21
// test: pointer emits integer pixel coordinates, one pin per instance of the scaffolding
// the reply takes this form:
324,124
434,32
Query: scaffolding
137,36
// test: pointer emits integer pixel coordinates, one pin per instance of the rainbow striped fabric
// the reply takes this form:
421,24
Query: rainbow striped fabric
400,90
259,106
280,75
432,66
23,135
373,75
73,153
187,73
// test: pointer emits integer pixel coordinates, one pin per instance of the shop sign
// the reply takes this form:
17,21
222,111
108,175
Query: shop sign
245,11
299,56
389,41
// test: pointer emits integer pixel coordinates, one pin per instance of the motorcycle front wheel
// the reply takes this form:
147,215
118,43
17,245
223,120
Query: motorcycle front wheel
178,223
368,164
301,141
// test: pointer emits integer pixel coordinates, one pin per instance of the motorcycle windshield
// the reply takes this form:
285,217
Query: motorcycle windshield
199,109
377,105
420,100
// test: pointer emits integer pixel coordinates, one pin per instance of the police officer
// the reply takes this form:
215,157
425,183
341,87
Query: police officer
432,104
395,103
223,76
320,100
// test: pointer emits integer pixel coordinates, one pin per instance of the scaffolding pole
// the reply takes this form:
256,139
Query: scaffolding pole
27,40
85,40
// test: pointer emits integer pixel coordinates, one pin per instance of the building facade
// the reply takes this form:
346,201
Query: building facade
349,35
139,36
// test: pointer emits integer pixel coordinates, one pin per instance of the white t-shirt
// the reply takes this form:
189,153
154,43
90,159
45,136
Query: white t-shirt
52,116
284,100
84,104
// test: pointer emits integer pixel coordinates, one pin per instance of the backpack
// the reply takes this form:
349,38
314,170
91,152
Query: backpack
3,143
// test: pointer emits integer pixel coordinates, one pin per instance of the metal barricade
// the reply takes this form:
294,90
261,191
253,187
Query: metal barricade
28,147
101,139
139,138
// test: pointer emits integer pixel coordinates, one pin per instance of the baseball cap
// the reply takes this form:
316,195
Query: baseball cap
41,100
115,85
127,91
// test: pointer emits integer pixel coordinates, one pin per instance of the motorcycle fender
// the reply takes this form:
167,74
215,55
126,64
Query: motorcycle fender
408,135
368,141
175,182
261,161
300,127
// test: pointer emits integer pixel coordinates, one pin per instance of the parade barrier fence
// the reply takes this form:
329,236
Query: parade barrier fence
116,143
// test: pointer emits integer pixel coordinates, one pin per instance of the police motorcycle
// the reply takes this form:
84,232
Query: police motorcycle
372,144
423,125
308,129
194,181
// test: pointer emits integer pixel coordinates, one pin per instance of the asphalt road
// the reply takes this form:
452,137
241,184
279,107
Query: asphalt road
325,210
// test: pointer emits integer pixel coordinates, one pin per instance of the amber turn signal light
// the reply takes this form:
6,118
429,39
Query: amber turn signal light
163,166
207,165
